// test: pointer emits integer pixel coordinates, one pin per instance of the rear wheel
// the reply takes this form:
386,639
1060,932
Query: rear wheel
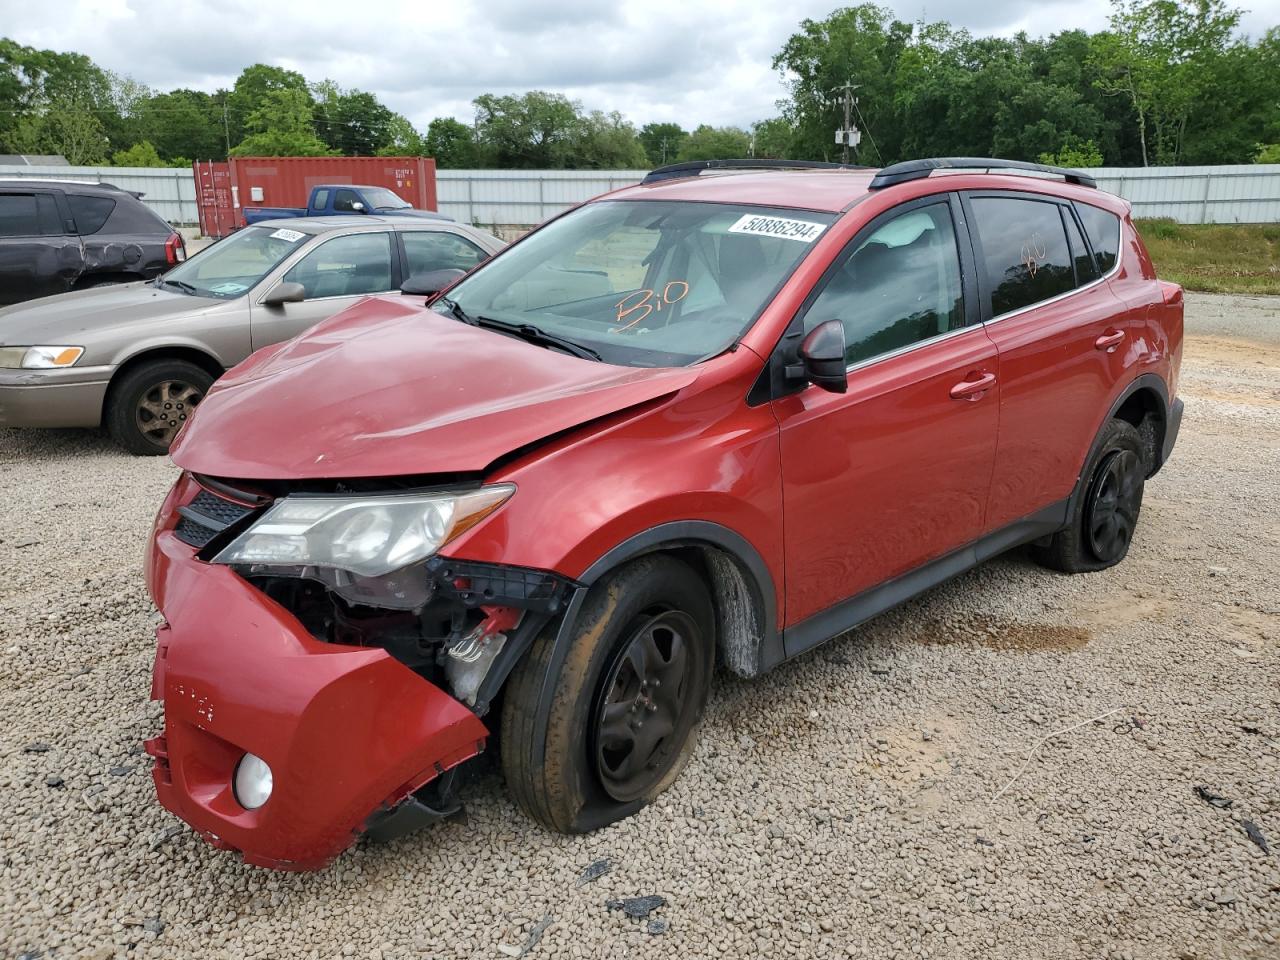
626,703
150,403
1105,517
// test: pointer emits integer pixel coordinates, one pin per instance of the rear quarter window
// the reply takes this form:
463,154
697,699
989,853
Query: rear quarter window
90,213
1103,228
132,216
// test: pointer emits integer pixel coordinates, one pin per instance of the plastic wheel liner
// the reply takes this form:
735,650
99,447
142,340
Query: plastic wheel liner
347,731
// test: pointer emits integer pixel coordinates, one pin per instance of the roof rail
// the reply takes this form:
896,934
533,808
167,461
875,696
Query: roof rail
692,168
919,169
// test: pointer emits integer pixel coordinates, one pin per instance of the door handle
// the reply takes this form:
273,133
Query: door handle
972,389
1109,341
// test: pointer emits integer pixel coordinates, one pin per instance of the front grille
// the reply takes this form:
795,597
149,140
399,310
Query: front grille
206,516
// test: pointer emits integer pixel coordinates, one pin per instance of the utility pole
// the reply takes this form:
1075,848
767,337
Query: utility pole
847,132
226,125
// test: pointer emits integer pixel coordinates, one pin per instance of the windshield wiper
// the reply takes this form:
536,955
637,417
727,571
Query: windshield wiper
184,287
525,331
532,334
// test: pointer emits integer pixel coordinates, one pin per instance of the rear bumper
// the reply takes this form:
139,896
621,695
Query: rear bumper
42,399
347,731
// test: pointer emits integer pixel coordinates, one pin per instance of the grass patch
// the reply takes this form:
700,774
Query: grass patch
1216,258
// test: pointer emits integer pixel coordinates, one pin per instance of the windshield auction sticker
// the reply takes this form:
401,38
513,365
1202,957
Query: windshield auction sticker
803,230
293,236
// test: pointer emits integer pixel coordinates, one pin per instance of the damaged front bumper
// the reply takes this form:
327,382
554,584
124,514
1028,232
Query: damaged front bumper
350,733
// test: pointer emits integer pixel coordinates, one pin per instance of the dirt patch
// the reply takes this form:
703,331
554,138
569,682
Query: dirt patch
1008,635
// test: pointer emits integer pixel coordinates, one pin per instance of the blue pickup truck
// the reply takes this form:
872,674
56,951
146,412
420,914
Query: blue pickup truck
343,199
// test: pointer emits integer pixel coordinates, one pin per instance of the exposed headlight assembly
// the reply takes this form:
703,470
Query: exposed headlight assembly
39,358
368,536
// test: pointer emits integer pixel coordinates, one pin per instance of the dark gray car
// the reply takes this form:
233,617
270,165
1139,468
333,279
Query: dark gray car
139,357
60,235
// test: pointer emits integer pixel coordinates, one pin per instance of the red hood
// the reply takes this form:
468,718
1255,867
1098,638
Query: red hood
389,388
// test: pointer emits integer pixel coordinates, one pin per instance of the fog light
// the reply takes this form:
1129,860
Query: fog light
252,782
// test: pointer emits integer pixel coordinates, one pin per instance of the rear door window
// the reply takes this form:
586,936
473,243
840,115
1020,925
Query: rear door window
1104,233
18,215
1086,269
427,250
1024,250
90,213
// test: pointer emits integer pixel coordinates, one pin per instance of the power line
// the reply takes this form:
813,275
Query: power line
867,127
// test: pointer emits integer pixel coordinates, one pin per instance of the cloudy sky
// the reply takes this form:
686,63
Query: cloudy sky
688,60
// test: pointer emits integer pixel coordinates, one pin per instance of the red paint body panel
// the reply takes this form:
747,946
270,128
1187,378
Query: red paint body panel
345,730
377,390
887,476
702,455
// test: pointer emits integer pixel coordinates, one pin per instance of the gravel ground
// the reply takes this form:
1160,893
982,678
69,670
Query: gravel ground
841,806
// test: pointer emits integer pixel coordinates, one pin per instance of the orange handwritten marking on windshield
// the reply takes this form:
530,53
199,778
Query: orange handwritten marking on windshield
648,301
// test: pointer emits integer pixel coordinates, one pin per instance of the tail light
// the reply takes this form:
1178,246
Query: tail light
175,249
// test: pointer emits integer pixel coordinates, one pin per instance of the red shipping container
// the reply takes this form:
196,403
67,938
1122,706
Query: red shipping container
225,189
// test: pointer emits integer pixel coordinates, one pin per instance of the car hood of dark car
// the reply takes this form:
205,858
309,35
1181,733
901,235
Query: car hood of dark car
389,388
63,318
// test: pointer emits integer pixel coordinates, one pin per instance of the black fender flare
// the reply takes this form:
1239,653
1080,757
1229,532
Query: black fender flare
1171,417
679,533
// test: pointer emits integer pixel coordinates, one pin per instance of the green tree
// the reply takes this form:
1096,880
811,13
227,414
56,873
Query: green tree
282,127
54,102
1160,56
451,143
1267,153
251,91
715,143
141,154
352,123
402,140
1077,154
534,131
772,139
183,123
661,141
606,141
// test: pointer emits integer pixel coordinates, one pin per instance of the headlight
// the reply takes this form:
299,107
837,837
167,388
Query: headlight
367,536
252,783
39,358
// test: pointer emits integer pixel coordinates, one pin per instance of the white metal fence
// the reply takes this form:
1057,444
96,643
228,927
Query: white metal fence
169,191
1237,194
521,198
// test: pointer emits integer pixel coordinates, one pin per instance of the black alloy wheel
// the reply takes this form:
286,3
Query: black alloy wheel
644,714
1111,512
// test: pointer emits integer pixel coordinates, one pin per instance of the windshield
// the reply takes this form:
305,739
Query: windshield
644,283
383,199
233,266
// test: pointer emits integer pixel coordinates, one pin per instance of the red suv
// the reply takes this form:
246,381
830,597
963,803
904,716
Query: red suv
706,418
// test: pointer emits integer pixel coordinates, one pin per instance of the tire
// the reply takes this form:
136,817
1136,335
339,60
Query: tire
1105,515
638,617
137,416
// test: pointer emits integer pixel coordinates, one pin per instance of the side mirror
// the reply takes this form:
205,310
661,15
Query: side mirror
430,283
822,358
283,293
357,206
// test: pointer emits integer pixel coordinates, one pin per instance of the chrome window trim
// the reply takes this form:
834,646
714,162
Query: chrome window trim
1061,296
910,347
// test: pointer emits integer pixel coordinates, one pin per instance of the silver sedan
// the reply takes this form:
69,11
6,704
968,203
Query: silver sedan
139,357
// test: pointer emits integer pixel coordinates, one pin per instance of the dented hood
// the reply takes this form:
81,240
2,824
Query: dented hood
389,388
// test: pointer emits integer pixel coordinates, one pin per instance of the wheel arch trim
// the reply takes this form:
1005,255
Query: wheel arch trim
666,536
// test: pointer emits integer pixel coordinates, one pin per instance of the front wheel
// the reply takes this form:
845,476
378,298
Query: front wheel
626,703
150,403
1105,516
